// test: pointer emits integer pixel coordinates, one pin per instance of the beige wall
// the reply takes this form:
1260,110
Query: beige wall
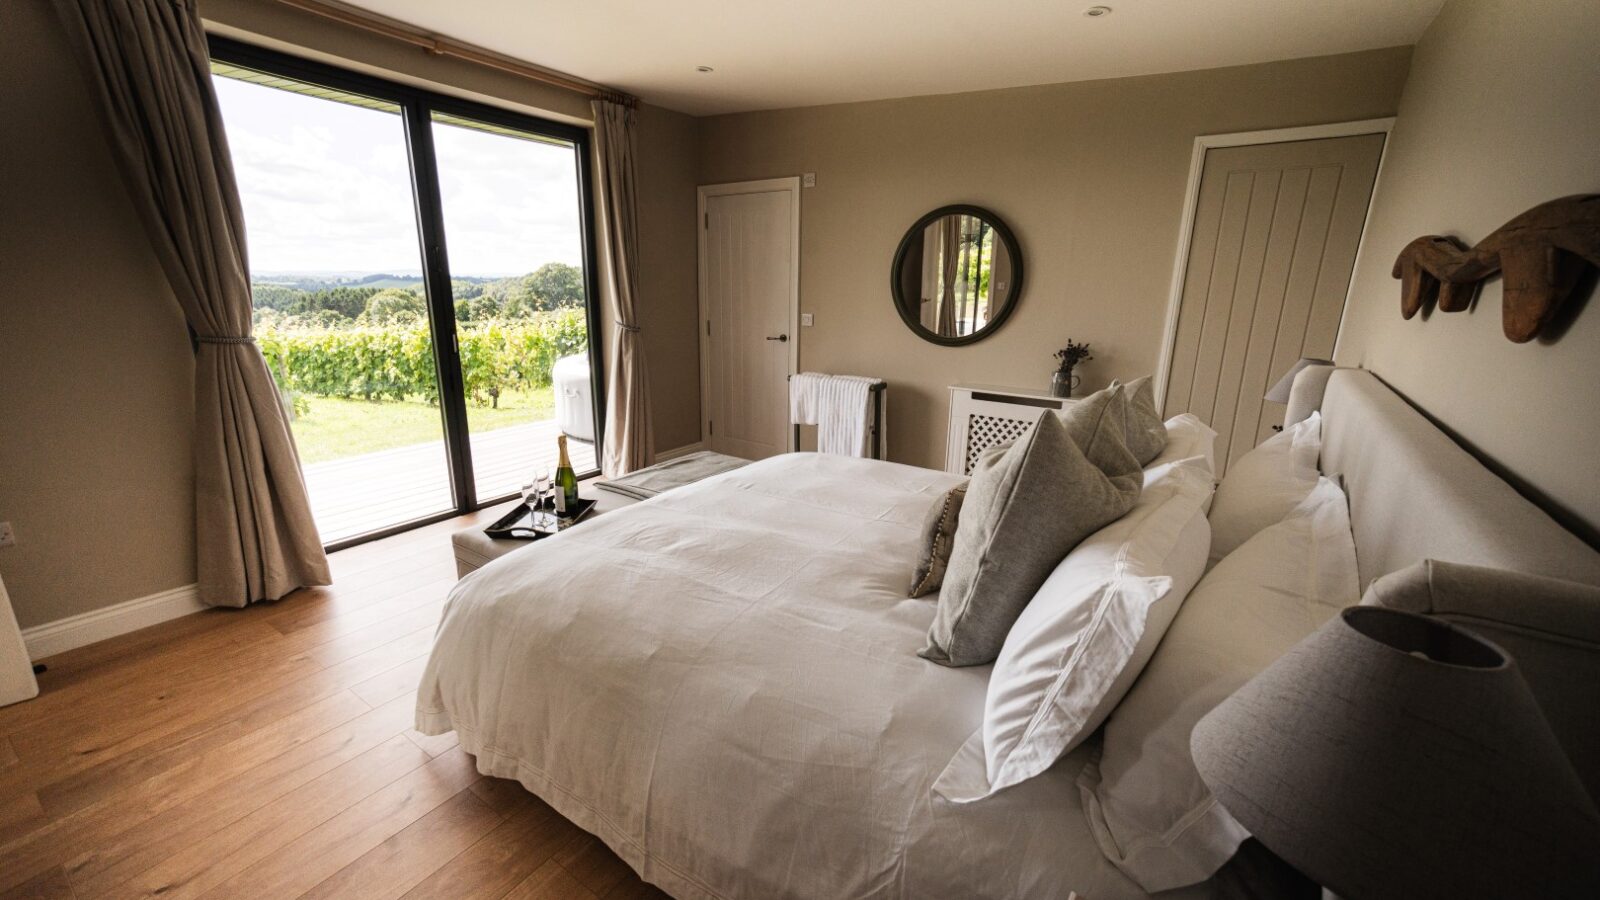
96,372
95,363
1090,176
669,273
1499,114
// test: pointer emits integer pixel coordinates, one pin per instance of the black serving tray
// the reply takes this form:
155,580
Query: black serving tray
523,524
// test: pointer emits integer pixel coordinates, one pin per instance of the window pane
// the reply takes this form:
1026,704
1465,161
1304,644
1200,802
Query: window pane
336,277
515,244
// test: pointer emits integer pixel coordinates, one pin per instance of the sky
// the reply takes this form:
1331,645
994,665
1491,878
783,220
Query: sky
326,188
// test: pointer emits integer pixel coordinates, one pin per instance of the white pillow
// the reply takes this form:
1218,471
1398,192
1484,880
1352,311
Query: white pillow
1187,438
1265,484
1150,812
1083,638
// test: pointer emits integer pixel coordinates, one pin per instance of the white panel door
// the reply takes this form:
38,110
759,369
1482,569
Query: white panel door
1275,232
748,287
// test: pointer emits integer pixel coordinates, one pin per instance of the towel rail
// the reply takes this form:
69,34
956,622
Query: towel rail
876,428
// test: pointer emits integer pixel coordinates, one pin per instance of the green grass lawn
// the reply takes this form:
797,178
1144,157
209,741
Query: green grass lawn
335,428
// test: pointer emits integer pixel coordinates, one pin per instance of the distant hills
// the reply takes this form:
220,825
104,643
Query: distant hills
323,281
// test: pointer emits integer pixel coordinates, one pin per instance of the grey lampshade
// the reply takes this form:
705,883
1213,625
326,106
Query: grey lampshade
1279,393
1391,754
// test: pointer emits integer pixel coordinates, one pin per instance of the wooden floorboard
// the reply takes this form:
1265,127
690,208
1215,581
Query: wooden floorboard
269,752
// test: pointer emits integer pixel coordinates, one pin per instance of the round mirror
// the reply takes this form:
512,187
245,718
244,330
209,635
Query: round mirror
956,275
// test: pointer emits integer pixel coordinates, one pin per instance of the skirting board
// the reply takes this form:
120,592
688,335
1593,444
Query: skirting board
108,622
676,452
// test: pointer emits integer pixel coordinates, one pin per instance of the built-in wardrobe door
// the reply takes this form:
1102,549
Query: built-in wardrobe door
1274,239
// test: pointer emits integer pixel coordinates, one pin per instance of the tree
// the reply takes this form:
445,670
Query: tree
348,302
555,285
272,296
393,305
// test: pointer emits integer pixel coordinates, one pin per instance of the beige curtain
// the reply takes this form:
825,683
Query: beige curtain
148,67
628,442
949,256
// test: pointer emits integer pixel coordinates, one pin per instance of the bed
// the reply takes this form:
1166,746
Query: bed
722,683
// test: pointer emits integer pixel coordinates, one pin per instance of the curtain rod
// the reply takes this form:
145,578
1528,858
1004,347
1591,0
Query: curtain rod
437,45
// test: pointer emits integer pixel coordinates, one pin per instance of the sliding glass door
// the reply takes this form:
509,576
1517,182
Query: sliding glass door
422,288
509,198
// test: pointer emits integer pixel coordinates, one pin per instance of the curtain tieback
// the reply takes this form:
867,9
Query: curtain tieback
631,329
224,340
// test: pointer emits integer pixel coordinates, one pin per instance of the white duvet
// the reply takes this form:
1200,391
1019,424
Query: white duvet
722,684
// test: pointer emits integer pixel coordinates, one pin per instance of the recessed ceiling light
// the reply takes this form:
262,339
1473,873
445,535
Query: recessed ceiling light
1095,12
704,70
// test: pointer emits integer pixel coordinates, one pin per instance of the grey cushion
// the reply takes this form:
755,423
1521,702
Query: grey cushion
1550,627
938,539
1025,508
1146,433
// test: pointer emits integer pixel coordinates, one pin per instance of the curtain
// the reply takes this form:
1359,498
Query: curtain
949,259
148,67
628,444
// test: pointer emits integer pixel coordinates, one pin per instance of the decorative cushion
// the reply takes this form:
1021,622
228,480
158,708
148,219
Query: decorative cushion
1550,627
1149,810
1067,477
938,538
1087,633
1265,484
1147,434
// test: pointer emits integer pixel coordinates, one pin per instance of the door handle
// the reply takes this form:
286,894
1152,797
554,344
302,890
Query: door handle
782,339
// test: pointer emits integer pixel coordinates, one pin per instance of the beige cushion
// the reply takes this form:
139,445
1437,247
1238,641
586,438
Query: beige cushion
1550,627
1067,477
938,539
1151,813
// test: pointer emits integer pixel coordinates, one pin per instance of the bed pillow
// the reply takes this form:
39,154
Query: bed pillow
1149,811
1085,636
1063,480
1188,438
1147,434
1265,484
938,538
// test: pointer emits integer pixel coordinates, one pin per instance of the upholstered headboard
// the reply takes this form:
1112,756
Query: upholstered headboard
1415,494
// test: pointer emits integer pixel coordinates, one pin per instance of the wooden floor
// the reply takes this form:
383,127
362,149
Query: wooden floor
268,752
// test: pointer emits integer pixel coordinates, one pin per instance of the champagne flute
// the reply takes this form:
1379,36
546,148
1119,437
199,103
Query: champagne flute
541,485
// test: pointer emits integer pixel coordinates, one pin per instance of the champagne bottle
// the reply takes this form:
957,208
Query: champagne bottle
566,481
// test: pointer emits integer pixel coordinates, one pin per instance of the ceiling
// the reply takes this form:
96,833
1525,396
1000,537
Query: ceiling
780,53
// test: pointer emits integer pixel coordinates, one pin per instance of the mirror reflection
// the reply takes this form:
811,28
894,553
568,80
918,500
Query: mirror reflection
956,275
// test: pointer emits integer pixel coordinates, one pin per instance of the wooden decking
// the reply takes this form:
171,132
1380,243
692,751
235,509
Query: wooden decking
268,752
361,494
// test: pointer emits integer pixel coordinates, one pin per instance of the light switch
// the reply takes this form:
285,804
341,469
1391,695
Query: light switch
806,320
809,179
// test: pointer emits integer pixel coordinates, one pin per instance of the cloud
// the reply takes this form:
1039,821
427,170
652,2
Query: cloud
326,188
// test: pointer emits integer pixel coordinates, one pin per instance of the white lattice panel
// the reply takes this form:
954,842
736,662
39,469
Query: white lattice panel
985,431
982,417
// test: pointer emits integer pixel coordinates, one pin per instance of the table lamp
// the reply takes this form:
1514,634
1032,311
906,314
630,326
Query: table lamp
1391,754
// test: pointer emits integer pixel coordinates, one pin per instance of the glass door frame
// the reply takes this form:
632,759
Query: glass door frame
417,106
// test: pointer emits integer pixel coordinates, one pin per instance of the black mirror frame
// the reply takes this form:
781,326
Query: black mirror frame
1013,295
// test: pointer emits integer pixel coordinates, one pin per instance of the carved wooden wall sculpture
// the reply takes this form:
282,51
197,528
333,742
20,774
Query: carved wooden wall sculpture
1542,255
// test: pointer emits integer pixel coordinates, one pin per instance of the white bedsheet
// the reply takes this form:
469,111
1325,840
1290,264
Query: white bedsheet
722,684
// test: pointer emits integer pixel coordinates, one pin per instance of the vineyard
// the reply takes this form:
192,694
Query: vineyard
394,361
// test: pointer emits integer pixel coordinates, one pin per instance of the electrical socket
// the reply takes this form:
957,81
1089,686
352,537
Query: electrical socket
8,538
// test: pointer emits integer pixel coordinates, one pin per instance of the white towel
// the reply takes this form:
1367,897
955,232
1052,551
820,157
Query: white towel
839,405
